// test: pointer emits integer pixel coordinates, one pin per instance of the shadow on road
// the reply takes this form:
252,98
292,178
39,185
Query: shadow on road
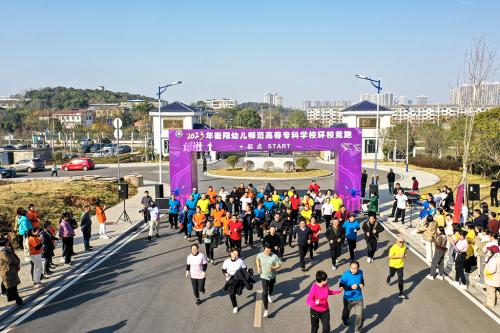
112,328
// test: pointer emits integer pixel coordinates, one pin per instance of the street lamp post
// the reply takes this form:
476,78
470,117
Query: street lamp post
407,138
376,84
161,90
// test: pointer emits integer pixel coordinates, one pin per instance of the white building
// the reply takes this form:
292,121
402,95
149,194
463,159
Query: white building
175,115
432,112
220,103
273,99
422,100
71,118
403,100
489,94
327,116
364,116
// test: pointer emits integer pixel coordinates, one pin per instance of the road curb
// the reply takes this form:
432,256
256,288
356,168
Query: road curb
47,286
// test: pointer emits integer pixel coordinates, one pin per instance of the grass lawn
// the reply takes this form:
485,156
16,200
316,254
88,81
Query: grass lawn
238,172
51,199
451,178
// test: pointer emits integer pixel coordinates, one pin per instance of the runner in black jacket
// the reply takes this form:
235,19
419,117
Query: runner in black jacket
336,236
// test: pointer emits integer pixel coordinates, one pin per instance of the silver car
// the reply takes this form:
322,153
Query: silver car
30,164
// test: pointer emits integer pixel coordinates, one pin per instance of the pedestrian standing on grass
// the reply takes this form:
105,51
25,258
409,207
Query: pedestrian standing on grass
267,264
86,227
397,255
352,282
9,268
372,229
336,236
317,300
196,267
101,218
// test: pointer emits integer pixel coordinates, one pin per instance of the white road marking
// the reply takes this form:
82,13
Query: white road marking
72,280
464,292
257,318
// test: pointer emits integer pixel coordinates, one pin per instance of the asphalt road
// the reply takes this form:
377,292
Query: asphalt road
142,289
150,174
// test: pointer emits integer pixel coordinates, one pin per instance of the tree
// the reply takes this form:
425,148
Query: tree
297,119
302,163
268,165
232,160
485,145
455,136
478,66
433,137
248,165
248,118
398,133
289,166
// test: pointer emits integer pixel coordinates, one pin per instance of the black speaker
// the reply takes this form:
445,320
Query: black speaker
162,203
159,191
474,194
374,188
123,191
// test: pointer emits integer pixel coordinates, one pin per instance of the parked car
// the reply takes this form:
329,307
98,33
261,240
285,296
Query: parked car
87,142
96,147
8,147
21,146
67,156
85,148
123,149
105,140
30,164
7,173
82,163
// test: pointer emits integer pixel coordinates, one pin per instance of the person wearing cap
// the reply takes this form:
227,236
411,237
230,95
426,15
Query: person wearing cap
397,255
492,277
9,267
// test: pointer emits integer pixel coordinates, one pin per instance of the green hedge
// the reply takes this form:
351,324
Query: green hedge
446,163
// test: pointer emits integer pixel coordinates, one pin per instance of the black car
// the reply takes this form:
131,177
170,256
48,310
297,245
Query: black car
85,148
97,147
7,173
105,140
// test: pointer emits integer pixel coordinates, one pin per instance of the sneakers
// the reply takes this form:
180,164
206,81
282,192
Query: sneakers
388,280
104,237
235,309
333,268
38,285
269,299
440,277
368,260
198,301
456,284
462,287
430,277
401,296
212,261
266,313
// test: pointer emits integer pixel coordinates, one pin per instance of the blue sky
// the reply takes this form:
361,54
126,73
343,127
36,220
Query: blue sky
241,49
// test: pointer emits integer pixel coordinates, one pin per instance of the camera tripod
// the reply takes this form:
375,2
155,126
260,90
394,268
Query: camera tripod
124,216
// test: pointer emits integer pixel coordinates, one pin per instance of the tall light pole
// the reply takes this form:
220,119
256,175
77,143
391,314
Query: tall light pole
376,84
161,90
407,137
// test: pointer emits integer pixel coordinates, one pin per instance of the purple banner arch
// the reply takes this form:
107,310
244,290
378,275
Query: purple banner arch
346,142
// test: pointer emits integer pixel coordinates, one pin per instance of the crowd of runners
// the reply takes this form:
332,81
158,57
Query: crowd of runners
281,221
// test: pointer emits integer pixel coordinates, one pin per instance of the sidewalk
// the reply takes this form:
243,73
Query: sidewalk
113,230
414,239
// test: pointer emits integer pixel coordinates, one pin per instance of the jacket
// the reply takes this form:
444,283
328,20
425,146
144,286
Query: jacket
241,279
47,244
335,235
9,265
492,271
302,235
65,229
85,221
23,225
369,228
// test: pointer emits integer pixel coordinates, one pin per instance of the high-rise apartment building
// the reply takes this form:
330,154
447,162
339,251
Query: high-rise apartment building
489,94
386,98
326,116
273,99
422,100
403,100
306,105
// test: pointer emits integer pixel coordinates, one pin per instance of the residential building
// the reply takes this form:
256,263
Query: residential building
175,115
10,102
268,98
364,115
273,99
432,112
326,116
221,103
422,100
403,100
72,117
386,98
489,94
306,105
107,110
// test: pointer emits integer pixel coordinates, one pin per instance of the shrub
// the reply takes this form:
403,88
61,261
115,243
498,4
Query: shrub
248,165
232,160
268,165
424,161
289,166
302,163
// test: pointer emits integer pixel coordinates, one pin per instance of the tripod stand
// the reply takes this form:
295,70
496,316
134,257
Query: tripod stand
124,216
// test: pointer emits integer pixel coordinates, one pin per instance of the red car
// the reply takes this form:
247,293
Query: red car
82,163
